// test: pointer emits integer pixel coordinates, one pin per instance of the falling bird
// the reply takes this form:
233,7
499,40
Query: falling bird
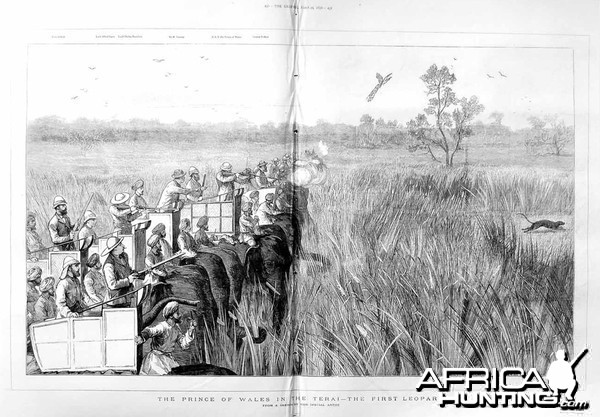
158,60
92,68
380,82
489,76
500,72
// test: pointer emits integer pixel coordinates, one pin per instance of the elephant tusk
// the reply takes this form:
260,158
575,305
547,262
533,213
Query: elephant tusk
272,288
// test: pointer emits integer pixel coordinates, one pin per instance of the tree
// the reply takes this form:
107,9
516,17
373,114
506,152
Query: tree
451,117
548,135
366,129
497,118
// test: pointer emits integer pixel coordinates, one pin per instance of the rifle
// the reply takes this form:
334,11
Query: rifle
72,241
575,361
150,268
177,255
84,209
112,299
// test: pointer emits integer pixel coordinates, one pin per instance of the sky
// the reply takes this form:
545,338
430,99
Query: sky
252,82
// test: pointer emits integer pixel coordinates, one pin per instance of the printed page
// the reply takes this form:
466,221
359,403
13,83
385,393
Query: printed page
302,208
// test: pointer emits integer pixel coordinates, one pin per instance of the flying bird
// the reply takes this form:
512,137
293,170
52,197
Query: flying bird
92,68
185,86
83,89
500,72
380,82
167,74
74,97
489,76
158,60
454,59
96,79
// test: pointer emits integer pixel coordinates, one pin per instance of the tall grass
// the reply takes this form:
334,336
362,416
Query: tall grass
428,269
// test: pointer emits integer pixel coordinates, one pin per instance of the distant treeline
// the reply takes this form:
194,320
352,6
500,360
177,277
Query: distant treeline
368,133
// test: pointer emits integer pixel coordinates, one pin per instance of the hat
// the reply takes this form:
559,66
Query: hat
275,159
178,173
67,262
119,198
138,184
111,243
159,228
171,308
58,200
253,194
262,163
47,284
153,241
193,170
89,215
34,273
246,206
270,197
226,166
93,260
202,221
287,156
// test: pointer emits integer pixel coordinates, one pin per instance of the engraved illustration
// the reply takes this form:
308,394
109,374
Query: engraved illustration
186,217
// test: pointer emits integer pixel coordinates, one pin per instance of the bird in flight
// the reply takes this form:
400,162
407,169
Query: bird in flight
500,72
92,68
83,89
158,60
167,74
185,86
74,97
454,59
96,79
380,82
489,76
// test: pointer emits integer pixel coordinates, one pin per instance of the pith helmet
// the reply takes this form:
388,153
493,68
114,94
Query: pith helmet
226,167
262,164
178,173
89,215
111,243
58,200
193,170
67,262
137,185
246,206
270,197
120,198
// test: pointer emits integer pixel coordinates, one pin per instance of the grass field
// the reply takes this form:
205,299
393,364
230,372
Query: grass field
429,265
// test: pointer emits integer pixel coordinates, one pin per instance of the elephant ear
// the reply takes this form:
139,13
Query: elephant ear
253,265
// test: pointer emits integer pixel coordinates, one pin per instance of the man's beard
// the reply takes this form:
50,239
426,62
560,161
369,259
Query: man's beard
75,272
62,212
176,320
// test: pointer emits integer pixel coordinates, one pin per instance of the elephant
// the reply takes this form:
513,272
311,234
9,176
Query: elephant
268,264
